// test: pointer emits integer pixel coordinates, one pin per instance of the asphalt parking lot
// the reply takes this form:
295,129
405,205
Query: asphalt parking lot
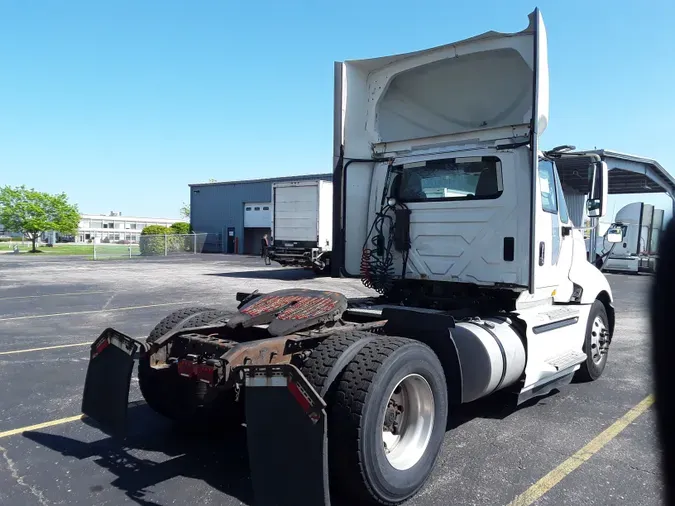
566,448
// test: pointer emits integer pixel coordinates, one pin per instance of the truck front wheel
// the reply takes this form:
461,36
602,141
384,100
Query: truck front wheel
387,421
596,344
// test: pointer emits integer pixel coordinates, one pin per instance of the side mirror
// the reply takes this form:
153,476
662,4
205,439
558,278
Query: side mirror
615,234
597,199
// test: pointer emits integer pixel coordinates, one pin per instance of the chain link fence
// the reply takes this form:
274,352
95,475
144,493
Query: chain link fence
147,246
152,246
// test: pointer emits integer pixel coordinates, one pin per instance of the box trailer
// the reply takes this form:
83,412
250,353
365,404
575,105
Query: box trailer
302,224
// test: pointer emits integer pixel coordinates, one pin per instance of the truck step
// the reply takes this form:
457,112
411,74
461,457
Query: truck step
567,359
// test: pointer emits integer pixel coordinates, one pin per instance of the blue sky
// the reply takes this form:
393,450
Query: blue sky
121,104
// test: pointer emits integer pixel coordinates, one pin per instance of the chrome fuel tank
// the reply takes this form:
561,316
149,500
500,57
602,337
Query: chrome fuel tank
491,353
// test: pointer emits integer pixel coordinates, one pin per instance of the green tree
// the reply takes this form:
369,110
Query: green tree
185,211
180,227
154,240
32,212
156,230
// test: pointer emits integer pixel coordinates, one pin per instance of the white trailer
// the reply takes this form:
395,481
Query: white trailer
302,224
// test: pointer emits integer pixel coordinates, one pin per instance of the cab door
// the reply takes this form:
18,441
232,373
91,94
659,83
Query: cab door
553,236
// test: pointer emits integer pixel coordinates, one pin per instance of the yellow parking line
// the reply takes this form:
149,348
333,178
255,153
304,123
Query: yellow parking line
50,295
43,425
93,311
554,477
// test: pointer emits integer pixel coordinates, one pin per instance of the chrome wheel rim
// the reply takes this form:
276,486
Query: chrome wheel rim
598,340
408,422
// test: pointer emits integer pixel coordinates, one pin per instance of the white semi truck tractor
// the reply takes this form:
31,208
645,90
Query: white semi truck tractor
446,206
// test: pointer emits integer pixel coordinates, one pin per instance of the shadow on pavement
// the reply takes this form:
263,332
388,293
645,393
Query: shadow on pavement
497,406
218,460
221,462
276,274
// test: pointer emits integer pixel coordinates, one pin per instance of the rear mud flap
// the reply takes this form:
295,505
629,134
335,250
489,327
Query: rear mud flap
106,388
287,437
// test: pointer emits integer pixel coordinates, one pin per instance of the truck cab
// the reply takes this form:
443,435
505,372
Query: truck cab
445,199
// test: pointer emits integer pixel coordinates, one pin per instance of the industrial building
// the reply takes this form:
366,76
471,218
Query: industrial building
236,214
114,227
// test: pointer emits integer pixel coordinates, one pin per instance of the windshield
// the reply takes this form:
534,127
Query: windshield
448,179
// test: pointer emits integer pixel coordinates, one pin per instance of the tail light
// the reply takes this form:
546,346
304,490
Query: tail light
101,346
204,372
186,368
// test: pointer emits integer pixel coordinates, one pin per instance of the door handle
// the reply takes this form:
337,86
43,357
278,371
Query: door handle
542,253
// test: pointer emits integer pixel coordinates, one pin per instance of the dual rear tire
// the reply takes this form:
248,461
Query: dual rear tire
387,409
185,400
387,414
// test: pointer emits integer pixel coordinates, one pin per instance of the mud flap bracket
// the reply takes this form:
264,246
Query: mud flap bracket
106,388
287,437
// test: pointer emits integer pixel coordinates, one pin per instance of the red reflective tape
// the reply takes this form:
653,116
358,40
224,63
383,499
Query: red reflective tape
204,372
102,346
304,403
185,367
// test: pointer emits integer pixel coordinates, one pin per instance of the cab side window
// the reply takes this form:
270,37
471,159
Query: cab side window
547,187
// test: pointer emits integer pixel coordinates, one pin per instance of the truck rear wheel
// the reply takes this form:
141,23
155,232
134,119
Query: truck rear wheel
183,399
595,342
322,359
387,420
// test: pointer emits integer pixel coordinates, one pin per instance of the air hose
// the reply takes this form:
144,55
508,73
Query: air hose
377,257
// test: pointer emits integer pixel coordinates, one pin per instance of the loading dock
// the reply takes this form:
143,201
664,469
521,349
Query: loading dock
257,223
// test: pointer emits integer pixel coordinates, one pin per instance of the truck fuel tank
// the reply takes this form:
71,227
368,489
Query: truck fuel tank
491,353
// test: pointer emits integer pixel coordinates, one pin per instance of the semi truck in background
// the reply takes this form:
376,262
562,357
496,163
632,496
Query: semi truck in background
302,224
638,251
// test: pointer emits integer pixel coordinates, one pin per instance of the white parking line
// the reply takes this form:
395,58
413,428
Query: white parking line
88,343
45,348
30,317
50,295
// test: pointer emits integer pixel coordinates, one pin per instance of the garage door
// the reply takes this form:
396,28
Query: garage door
257,215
